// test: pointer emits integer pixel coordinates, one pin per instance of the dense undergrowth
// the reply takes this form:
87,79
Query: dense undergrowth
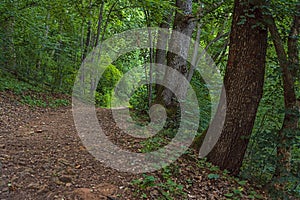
32,95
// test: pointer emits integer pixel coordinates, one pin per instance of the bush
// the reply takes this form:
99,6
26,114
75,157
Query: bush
107,83
139,100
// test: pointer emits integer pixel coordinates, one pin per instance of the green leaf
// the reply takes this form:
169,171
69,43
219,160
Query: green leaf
214,168
242,183
228,195
258,196
144,196
250,15
213,176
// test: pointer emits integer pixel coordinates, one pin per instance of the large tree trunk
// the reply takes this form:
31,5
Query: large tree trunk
185,25
243,82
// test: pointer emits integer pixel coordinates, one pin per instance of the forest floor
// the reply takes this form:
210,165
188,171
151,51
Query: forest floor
42,157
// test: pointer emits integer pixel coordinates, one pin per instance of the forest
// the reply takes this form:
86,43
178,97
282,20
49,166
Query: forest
151,99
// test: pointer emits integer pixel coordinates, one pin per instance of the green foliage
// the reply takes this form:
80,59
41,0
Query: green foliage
14,85
228,195
146,181
143,183
261,158
33,96
213,176
171,189
167,186
236,193
204,100
153,144
107,83
55,103
40,101
139,99
33,101
139,102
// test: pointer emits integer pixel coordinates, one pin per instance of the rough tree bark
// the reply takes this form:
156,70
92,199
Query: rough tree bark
184,24
243,81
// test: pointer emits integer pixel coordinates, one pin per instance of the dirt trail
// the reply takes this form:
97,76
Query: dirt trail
42,157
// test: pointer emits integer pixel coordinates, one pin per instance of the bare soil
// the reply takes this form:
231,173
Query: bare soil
42,157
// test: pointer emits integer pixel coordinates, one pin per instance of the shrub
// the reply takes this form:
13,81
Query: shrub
107,82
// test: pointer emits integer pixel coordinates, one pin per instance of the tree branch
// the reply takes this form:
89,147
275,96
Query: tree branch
201,13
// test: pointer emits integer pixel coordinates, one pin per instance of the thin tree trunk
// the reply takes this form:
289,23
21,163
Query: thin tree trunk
288,63
88,40
161,47
107,19
197,58
151,68
59,75
293,47
100,18
243,81
195,55
88,35
150,87
82,69
44,67
8,47
222,53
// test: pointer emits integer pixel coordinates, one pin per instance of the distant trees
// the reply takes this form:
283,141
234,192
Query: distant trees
44,42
